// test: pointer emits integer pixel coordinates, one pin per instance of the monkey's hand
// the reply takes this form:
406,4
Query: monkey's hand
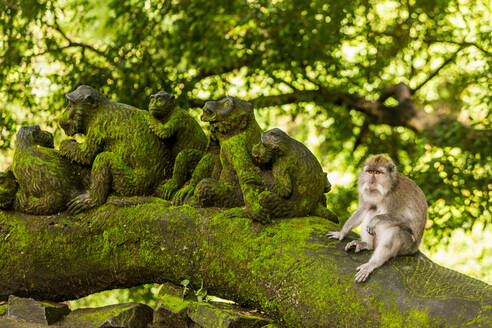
363,271
358,246
371,225
80,203
335,235
182,194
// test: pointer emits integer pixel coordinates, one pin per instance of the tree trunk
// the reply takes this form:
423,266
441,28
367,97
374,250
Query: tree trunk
288,269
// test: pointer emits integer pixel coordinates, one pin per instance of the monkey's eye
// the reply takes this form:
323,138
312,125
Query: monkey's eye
376,172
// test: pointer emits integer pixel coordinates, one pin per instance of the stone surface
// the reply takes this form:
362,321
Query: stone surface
129,315
31,310
171,311
6,322
208,316
289,269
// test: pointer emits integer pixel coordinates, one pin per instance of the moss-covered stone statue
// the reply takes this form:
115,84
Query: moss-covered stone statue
47,181
233,122
8,189
299,182
127,157
182,134
209,166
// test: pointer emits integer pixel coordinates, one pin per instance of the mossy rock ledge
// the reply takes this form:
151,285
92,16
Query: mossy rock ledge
287,269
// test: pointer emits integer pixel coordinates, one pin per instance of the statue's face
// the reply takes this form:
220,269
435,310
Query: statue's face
33,135
80,103
227,115
161,104
261,154
220,110
270,146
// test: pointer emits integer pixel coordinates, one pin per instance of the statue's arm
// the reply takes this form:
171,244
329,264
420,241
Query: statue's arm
165,130
46,203
283,182
83,153
249,177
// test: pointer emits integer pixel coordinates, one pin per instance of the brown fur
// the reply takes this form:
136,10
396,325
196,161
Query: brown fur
392,211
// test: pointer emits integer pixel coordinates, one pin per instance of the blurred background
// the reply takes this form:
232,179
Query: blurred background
411,79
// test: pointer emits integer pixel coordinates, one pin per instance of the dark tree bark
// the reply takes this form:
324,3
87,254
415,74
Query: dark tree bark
288,269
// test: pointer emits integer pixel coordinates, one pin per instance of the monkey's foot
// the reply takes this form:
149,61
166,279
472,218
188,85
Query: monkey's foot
363,271
182,194
335,235
81,203
358,246
167,190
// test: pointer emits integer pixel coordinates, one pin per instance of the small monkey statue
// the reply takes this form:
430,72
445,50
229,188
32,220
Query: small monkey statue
392,211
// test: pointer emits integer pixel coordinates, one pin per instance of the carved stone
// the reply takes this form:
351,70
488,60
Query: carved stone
127,157
182,134
47,181
233,122
299,181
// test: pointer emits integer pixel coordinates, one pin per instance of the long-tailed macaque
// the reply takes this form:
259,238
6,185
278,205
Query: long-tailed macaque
392,211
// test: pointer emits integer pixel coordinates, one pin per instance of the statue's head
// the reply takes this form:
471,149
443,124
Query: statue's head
161,104
273,143
33,136
8,189
228,115
80,104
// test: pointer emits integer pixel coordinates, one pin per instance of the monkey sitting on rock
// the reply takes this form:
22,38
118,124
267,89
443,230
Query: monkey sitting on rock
47,181
183,135
392,211
299,182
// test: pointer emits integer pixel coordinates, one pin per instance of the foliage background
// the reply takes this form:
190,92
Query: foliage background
316,69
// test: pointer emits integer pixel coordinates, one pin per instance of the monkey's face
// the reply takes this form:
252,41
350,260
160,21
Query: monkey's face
33,135
261,154
376,180
80,103
274,143
228,115
161,104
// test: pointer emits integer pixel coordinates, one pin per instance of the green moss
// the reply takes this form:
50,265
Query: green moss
288,269
173,303
47,181
126,156
233,123
4,309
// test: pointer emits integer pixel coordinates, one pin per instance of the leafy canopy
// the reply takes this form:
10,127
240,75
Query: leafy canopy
319,69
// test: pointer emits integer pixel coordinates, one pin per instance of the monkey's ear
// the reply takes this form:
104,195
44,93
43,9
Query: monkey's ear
391,167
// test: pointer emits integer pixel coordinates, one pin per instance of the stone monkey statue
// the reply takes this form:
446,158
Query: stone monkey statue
127,157
299,182
208,167
182,134
233,123
47,181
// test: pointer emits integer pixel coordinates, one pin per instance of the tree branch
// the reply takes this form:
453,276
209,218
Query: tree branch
405,114
290,270
430,77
